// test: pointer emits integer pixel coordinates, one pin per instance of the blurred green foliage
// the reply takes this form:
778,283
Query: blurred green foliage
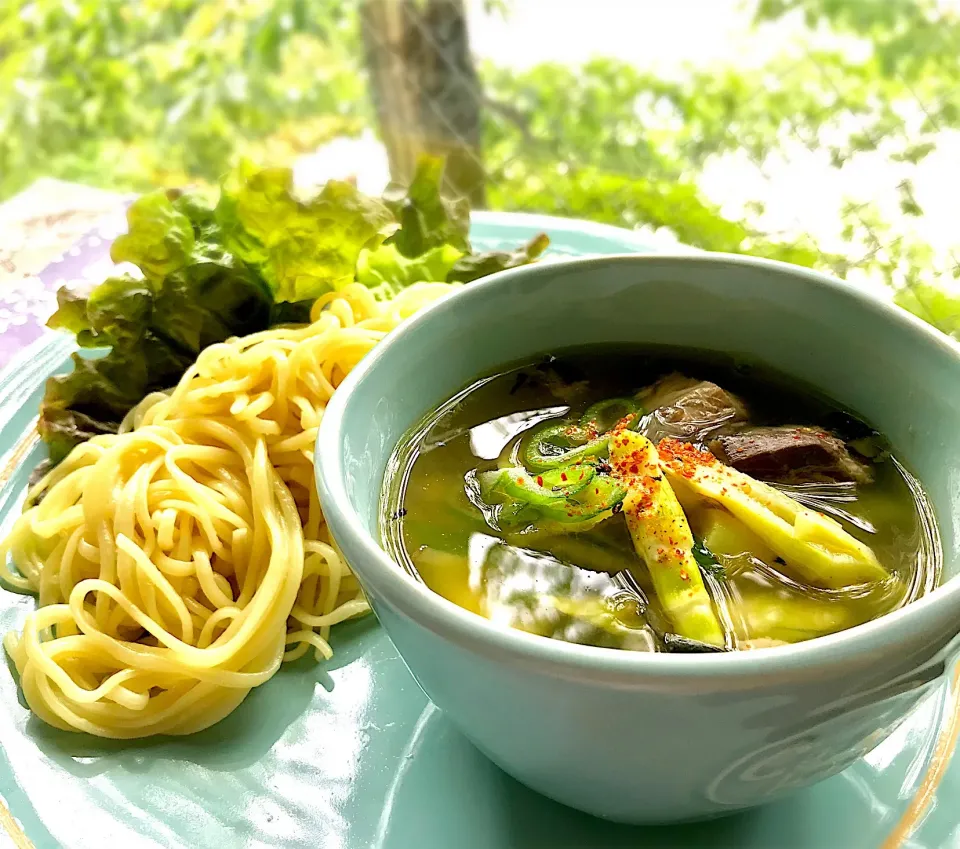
159,92
163,92
610,143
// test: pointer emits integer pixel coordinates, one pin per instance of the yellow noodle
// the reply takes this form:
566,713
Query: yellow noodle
179,562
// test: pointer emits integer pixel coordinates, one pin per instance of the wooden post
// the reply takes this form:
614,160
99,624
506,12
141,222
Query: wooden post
425,88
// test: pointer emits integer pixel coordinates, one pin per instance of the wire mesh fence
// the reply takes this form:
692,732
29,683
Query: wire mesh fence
818,132
859,107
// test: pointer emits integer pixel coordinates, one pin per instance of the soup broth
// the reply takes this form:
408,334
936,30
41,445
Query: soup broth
655,500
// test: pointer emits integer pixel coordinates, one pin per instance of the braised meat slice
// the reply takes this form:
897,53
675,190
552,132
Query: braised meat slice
688,409
789,455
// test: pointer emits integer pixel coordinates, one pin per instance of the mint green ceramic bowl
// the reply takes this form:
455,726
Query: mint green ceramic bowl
652,737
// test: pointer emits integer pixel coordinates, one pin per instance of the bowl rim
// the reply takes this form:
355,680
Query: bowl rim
452,622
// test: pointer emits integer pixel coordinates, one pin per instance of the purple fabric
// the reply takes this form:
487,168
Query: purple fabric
26,304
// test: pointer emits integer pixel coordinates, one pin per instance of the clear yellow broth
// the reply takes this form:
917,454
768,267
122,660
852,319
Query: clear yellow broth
563,586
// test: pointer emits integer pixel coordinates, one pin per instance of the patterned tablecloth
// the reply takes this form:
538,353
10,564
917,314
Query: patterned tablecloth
52,234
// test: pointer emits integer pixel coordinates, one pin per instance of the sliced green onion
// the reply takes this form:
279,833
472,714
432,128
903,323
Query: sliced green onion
558,485
514,514
551,487
543,452
517,483
604,415
560,437
568,480
562,444
519,498
601,496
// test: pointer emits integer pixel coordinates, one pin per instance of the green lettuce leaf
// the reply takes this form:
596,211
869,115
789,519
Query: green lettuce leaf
159,239
387,271
301,248
256,258
154,331
427,220
473,266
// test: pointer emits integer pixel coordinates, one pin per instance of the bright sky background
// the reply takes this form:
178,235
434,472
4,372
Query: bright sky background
655,34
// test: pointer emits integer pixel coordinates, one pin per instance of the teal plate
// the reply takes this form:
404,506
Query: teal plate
350,755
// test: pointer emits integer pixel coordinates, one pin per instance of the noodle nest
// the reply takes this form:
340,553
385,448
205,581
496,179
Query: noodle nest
181,561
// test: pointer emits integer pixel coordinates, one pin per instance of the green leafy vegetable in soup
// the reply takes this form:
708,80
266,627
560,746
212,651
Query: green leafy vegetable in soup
650,500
